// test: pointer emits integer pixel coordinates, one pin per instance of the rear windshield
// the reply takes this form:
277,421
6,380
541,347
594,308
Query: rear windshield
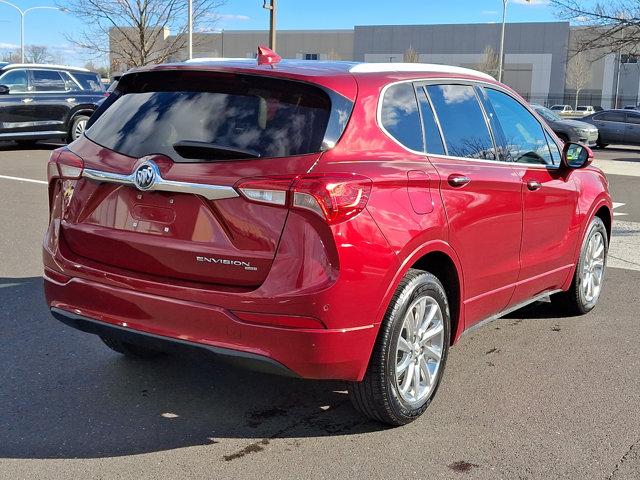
89,81
151,113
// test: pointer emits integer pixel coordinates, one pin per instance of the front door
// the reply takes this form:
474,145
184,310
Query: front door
483,202
549,197
16,109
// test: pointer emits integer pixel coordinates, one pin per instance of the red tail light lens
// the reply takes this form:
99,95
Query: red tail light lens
335,198
65,164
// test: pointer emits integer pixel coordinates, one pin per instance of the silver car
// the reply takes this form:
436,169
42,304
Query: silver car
575,131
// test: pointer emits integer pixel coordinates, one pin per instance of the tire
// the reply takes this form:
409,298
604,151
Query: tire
602,145
379,395
77,127
579,300
129,349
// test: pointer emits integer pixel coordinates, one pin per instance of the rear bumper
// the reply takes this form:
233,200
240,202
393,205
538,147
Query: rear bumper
160,322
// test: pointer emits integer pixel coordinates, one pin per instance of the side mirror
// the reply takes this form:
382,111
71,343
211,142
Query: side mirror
4,90
575,155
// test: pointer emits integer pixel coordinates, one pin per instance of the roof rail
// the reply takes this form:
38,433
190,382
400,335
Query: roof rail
44,65
416,67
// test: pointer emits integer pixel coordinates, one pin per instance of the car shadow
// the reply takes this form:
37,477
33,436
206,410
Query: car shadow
66,395
12,146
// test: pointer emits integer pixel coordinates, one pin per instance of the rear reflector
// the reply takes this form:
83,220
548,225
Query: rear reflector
285,321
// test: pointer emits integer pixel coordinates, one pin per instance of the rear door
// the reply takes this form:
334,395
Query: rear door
51,100
632,129
611,126
482,198
207,139
549,196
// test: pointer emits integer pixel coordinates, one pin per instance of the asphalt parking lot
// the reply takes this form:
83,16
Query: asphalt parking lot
528,396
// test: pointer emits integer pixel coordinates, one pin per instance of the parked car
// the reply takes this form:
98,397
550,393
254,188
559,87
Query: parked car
568,130
260,212
619,127
585,110
40,102
562,109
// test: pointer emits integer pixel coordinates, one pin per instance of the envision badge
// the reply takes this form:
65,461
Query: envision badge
146,175
226,261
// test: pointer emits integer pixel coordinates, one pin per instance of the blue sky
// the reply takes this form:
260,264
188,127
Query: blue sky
47,27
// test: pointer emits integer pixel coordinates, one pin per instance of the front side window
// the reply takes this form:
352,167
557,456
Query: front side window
16,80
463,124
48,81
520,136
400,116
633,118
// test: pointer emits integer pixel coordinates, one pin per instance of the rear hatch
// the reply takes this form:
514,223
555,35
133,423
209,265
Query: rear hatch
164,163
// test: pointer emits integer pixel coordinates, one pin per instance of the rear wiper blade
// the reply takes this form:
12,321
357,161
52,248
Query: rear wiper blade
195,150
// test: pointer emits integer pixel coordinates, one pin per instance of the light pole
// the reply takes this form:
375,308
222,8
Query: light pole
190,27
504,24
271,5
22,15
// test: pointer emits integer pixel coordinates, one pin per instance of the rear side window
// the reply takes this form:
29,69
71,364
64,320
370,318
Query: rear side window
400,116
520,136
48,81
610,117
88,81
462,120
159,112
431,131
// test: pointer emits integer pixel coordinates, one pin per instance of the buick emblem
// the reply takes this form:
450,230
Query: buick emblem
146,175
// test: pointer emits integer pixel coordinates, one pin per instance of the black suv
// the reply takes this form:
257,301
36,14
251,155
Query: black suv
46,101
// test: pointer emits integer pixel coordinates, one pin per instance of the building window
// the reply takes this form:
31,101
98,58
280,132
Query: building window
310,56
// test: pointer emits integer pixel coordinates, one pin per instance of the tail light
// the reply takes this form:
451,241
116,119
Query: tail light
334,197
64,164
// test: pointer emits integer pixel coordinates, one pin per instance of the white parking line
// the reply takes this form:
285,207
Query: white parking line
29,180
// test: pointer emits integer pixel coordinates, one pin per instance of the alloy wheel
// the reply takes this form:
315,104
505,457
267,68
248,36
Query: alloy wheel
593,268
419,350
79,129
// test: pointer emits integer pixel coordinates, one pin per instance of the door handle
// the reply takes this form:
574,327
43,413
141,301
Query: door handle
533,185
456,180
27,100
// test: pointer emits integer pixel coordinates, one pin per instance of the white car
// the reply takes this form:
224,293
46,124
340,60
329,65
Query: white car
562,109
585,110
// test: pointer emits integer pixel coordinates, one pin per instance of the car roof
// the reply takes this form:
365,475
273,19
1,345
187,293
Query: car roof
324,68
44,66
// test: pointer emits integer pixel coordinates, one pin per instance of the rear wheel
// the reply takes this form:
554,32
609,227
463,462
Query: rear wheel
129,349
410,353
78,127
588,279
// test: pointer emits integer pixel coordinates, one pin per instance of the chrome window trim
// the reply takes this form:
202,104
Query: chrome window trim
422,82
210,192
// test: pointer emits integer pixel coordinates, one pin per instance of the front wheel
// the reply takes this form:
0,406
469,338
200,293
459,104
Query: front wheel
586,287
410,353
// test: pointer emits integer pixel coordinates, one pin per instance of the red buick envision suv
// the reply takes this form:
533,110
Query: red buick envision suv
324,220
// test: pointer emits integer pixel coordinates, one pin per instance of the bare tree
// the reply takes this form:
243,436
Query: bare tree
578,74
136,32
609,26
411,56
33,54
491,63
40,54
